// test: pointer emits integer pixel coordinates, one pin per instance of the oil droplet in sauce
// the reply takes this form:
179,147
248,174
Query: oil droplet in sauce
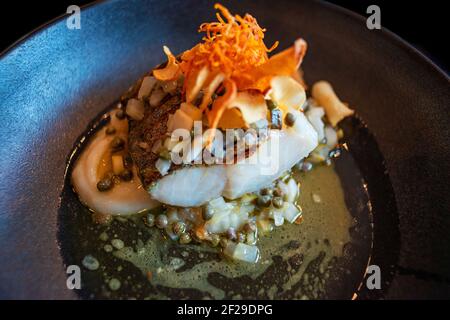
305,261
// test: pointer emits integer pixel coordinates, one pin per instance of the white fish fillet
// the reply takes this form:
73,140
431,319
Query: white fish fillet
190,187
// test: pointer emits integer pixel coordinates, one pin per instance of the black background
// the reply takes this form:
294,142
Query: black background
423,24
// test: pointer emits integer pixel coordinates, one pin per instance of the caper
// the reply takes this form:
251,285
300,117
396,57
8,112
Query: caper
223,242
271,104
266,192
263,201
150,220
118,144
105,184
128,161
165,154
250,227
278,192
334,153
179,228
162,221
126,175
241,237
207,213
277,202
215,239
307,166
231,234
298,165
185,238
289,120
110,130
120,114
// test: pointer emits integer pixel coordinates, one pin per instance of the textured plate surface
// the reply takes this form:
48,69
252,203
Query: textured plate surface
56,80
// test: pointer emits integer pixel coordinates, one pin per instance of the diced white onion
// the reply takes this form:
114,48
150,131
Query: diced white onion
146,87
194,151
314,115
191,110
331,135
135,109
278,218
169,143
291,212
181,120
292,190
156,97
242,252
225,216
163,166
156,146
117,164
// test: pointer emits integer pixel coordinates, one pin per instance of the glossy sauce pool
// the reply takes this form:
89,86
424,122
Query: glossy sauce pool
324,257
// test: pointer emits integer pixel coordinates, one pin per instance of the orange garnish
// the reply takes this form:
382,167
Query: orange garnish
232,55
231,119
171,71
284,63
219,106
232,46
200,232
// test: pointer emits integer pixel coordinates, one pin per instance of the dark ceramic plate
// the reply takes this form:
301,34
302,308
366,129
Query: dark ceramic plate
55,81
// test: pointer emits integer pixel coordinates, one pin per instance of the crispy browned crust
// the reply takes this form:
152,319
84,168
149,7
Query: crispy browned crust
150,130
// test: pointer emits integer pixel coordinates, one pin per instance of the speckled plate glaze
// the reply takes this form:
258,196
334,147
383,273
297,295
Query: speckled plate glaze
56,80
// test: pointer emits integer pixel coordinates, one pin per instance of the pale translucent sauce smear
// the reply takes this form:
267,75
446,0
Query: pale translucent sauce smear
324,230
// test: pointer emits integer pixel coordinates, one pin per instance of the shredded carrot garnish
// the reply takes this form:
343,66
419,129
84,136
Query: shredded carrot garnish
171,71
232,46
232,57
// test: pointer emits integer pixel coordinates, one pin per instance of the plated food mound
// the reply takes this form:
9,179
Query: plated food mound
204,146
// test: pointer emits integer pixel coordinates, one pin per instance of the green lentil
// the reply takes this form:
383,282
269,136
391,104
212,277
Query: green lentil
223,242
215,239
128,161
266,192
150,220
162,221
179,228
278,202
105,185
126,175
117,144
278,192
207,213
263,201
250,227
289,120
271,104
185,238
